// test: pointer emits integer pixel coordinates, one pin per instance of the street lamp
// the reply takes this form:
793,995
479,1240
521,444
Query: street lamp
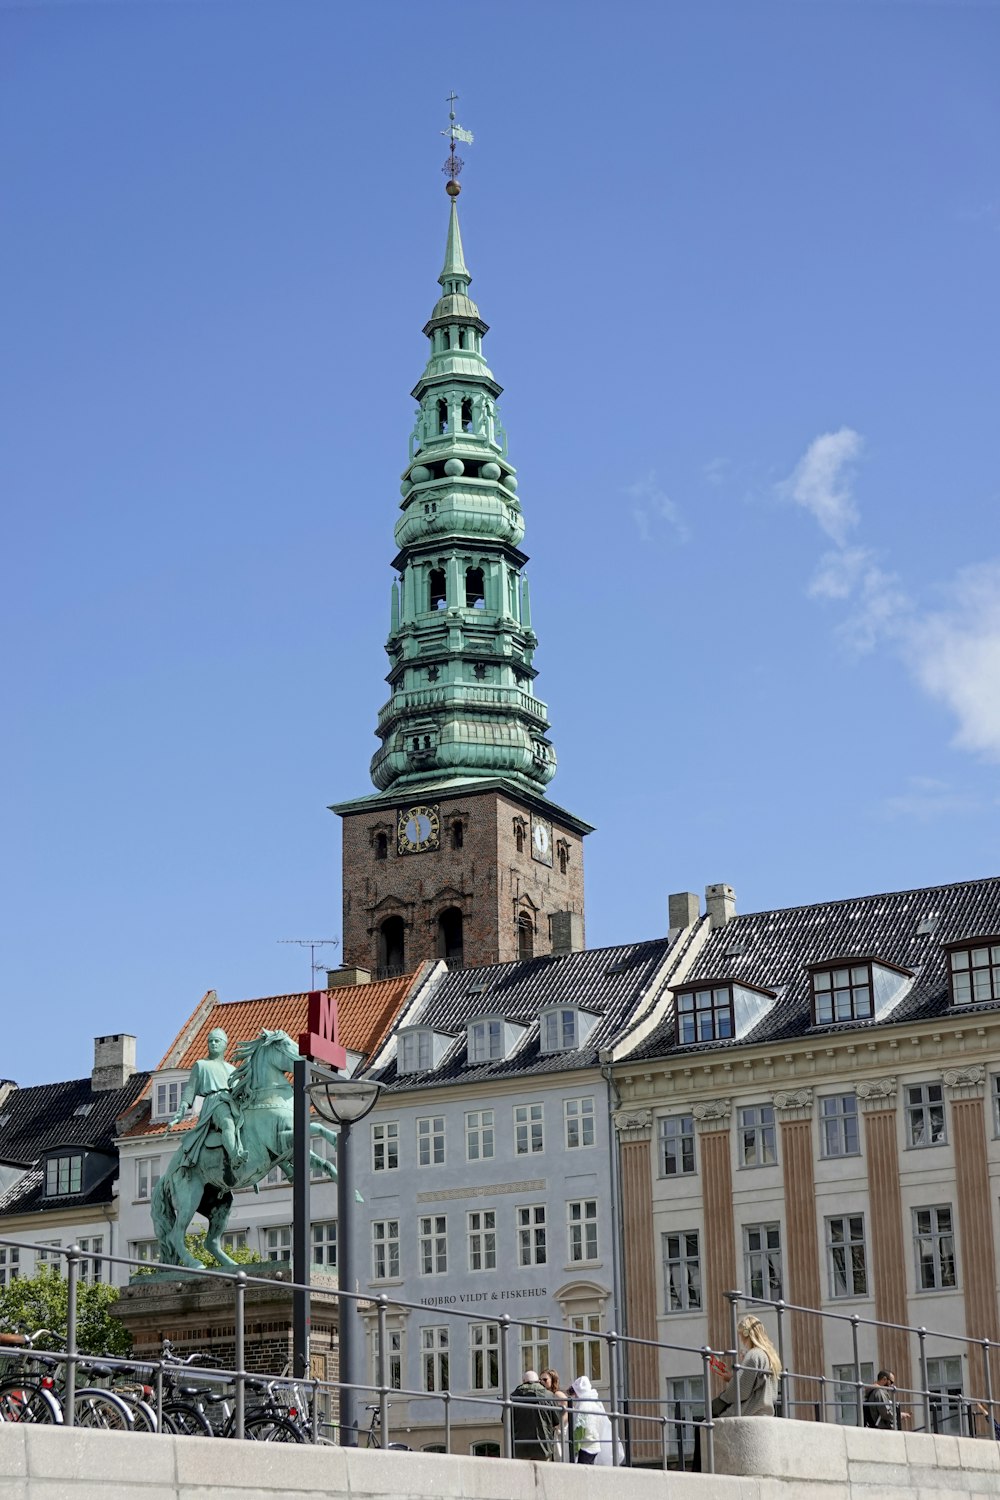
343,1102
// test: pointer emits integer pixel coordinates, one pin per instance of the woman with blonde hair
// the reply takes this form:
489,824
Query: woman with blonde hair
758,1375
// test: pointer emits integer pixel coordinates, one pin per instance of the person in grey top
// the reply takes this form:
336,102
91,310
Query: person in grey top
757,1377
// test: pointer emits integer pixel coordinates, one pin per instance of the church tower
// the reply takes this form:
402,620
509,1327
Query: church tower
459,854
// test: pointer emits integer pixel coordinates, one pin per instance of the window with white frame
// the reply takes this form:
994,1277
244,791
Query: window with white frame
10,1264
91,1271
482,1224
235,1239
167,1099
479,1135
484,1346
686,1405
144,1250
148,1171
277,1242
385,1249
275,1177
944,1382
393,1358
579,1118
385,1146
762,1261
48,1257
682,1271
529,1129
324,1244
975,974
758,1141
534,1340
434,1358
430,1141
485,1040
586,1347
64,1175
845,1391
925,1114
934,1241
845,1255
433,1245
531,1249
563,1030
838,1125
326,1151
676,1145
416,1052
582,1226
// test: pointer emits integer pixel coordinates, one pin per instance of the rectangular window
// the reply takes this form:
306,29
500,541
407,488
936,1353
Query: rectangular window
482,1239
843,994
531,1238
587,1346
676,1145
582,1226
234,1239
529,1129
485,1041
91,1271
682,1271
559,1031
925,1114
416,1050
434,1358
326,1151
148,1171
758,1141
484,1343
10,1264
685,1406
975,974
944,1382
433,1245
63,1175
385,1249
47,1256
845,1255
168,1099
934,1240
479,1138
274,1178
762,1261
144,1250
579,1117
385,1146
838,1125
534,1346
845,1391
430,1141
704,1015
393,1358
324,1244
278,1242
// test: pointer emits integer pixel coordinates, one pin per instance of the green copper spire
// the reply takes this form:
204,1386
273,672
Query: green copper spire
462,706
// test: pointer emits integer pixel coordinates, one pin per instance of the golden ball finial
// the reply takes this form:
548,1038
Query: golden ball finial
452,188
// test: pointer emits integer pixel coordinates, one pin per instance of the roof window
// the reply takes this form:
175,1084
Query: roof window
419,1048
84,1109
717,1010
64,1175
856,989
564,1028
975,972
491,1038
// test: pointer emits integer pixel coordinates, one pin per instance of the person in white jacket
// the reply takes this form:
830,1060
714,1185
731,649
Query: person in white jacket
590,1425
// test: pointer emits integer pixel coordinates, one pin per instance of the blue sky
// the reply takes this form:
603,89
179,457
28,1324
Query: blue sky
739,260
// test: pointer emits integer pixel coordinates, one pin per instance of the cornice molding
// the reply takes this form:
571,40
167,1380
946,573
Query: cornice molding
794,1104
634,1124
712,1114
966,1083
876,1093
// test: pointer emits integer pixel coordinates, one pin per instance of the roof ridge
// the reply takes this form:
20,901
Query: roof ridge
917,890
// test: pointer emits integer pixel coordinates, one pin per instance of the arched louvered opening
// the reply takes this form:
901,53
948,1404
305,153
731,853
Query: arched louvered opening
391,947
525,936
475,589
437,598
450,937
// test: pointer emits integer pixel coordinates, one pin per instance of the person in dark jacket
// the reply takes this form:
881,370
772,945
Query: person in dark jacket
536,1415
880,1406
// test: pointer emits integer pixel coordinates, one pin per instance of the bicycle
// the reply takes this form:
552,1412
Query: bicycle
374,1430
31,1396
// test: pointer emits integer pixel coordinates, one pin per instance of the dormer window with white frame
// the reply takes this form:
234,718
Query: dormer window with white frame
492,1038
419,1048
974,969
718,1010
167,1096
856,989
564,1028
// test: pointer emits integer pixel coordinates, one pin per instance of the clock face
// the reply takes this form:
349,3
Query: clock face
417,829
541,841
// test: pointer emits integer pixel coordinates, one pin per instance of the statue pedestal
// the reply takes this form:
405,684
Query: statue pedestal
197,1313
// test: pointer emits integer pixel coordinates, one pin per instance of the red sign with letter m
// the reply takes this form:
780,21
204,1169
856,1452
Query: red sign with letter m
321,1043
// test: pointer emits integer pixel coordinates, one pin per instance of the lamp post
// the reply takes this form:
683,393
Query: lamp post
343,1102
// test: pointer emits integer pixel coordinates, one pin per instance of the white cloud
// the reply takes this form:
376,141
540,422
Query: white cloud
954,653
822,479
654,508
927,798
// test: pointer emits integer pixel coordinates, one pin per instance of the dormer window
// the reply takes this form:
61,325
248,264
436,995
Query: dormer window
565,1028
975,973
420,1048
856,989
167,1098
64,1175
719,1010
486,1040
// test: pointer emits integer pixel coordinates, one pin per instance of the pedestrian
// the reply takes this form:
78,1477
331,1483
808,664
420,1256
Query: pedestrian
881,1408
757,1379
535,1414
980,1410
590,1425
551,1382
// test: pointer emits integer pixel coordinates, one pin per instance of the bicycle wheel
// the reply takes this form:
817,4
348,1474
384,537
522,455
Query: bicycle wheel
143,1415
267,1429
21,1402
102,1409
185,1421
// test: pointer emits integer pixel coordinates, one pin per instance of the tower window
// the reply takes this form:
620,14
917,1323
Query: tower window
467,414
563,857
461,338
442,408
480,671
381,846
525,937
475,589
519,831
390,947
450,943
432,674
438,599
457,834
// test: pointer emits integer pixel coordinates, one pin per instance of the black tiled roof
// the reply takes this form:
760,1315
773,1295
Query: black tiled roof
608,982
771,949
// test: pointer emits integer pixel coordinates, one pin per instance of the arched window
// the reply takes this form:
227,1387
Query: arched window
519,835
525,936
457,834
475,589
437,589
451,944
381,846
390,947
467,414
442,416
563,858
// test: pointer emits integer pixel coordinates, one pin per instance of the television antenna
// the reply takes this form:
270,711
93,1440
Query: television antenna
312,944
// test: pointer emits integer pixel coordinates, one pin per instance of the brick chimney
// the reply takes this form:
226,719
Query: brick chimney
720,904
7,1087
338,979
566,931
683,910
114,1062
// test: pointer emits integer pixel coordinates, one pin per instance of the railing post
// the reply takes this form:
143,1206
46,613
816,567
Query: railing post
734,1318
447,1421
988,1379
314,1413
508,1434
780,1306
858,1382
240,1294
159,1396
72,1282
922,1336
380,1371
612,1342
665,1441
708,1431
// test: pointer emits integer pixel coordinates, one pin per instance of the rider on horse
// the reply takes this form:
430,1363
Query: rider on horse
220,1112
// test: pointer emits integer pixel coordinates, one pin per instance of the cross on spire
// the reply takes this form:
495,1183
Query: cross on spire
454,132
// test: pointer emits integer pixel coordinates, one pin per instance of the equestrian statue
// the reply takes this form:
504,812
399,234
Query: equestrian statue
245,1128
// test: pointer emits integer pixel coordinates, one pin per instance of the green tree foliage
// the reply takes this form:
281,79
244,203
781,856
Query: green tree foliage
240,1253
41,1302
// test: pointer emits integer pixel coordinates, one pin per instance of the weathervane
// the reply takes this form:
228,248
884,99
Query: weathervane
454,164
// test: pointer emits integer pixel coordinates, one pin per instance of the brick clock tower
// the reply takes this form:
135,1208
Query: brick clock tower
459,854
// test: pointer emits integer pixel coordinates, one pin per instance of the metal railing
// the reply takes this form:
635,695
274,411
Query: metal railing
644,1428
